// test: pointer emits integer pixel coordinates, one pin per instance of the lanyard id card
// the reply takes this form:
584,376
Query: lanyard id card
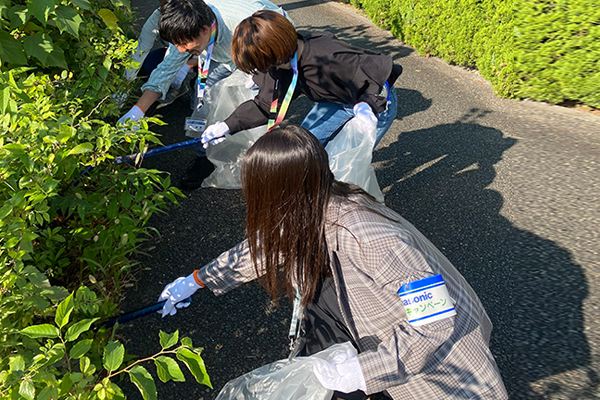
198,124
273,122
426,300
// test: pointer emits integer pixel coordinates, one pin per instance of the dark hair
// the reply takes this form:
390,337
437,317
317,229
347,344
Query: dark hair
286,182
263,40
181,21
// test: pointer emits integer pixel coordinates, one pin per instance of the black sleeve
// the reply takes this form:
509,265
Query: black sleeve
255,112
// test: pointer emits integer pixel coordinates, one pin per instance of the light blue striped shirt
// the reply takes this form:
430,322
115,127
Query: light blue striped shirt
229,14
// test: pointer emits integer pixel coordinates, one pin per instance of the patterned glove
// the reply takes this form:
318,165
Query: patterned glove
177,291
134,114
215,134
178,80
342,373
362,112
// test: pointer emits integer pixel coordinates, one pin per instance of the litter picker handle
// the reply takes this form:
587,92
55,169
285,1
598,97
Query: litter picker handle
157,151
142,312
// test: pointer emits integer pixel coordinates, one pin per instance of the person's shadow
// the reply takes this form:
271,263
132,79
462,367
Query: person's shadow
439,179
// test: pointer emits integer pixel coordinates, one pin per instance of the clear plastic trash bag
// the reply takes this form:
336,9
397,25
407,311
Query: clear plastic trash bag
289,379
221,100
350,154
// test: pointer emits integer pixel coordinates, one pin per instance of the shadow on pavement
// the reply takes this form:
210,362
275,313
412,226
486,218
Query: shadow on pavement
439,178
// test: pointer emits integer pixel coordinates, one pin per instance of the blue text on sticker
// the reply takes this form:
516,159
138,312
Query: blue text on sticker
426,300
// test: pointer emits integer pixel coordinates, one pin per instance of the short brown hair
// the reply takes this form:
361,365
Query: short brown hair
263,40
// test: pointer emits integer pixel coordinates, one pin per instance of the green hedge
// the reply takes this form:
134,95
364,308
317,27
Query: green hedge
547,50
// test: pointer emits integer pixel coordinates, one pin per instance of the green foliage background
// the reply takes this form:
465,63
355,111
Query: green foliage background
68,215
546,50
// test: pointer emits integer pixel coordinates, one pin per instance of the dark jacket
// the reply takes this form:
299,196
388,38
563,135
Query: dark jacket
329,70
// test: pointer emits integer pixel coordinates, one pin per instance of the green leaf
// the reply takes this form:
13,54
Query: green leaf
68,20
126,199
57,58
78,328
195,364
4,98
48,393
5,210
81,148
15,148
27,389
17,15
167,369
39,46
168,340
41,9
84,4
81,348
84,364
16,364
143,380
12,51
113,356
108,17
64,311
41,331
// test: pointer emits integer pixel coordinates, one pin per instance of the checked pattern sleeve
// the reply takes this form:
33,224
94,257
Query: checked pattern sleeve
228,271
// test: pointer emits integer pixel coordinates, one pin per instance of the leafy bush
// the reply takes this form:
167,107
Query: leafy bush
544,50
70,365
67,214
558,51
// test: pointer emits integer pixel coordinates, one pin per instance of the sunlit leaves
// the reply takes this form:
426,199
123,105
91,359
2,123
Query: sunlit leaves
113,356
39,45
64,311
195,364
41,331
143,380
68,20
41,9
168,369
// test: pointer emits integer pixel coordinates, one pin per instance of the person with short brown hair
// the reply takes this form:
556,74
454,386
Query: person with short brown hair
344,81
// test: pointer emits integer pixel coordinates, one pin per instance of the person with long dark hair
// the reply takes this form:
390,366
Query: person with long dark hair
349,262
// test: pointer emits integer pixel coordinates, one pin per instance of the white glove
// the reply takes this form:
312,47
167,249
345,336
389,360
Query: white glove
134,114
363,113
177,291
178,80
215,134
341,373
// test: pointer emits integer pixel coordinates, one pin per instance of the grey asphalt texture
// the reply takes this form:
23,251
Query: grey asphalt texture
508,190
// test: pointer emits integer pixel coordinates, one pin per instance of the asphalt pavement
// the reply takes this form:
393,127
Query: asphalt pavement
508,190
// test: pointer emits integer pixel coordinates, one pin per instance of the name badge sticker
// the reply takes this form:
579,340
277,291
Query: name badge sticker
426,300
195,125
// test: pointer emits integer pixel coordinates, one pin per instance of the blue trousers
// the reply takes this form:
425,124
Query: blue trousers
325,120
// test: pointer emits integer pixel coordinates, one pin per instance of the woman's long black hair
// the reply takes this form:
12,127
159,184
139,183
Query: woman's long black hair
287,184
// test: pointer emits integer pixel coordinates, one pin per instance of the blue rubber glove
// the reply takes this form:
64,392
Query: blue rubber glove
177,291
134,114
215,134
362,112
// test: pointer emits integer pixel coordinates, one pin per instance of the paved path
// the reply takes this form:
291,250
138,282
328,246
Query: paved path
508,190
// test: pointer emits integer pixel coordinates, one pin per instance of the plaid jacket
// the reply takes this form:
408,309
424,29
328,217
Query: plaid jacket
371,257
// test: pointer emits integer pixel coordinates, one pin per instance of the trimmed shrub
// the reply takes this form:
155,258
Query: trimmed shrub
544,50
558,51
